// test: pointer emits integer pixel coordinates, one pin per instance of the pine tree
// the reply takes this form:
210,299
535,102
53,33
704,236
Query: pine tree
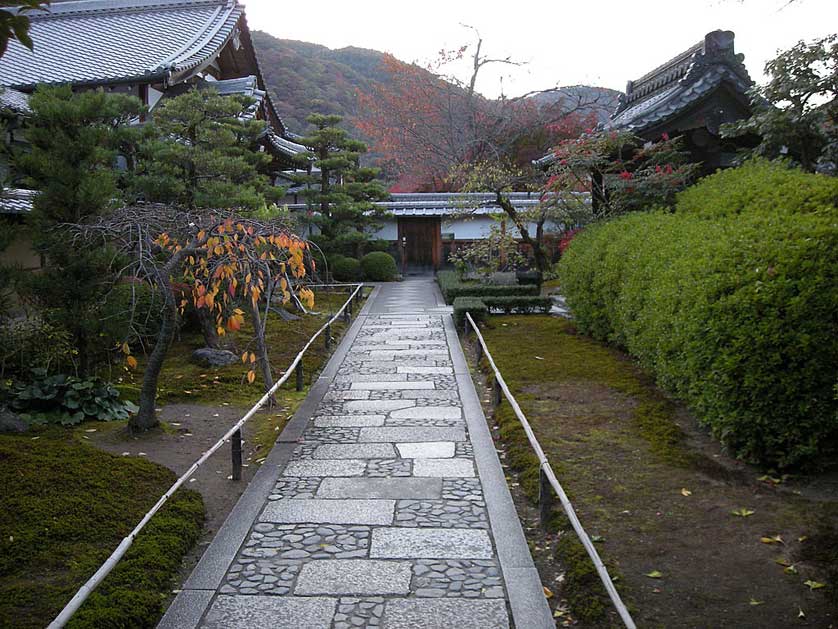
203,153
339,188
70,159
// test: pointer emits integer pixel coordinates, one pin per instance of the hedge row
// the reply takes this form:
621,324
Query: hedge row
732,302
474,306
377,266
452,287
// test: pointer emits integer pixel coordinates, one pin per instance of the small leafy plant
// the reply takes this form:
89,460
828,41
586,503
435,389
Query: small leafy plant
67,400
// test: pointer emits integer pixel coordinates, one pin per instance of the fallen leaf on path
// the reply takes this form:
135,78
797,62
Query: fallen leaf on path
775,539
800,613
814,585
755,602
770,479
782,561
90,430
548,593
686,492
654,574
742,512
802,538
790,569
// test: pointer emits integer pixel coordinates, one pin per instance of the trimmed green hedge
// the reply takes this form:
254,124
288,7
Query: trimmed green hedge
519,305
379,266
452,287
346,269
733,310
473,305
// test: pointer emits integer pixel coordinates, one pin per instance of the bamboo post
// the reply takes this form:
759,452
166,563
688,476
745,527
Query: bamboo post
299,370
236,446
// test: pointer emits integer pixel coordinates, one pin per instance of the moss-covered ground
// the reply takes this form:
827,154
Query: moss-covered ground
658,495
65,507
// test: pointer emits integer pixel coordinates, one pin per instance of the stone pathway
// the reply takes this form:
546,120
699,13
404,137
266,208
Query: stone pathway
379,518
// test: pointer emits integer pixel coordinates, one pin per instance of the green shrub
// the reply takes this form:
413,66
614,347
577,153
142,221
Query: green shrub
34,343
519,305
472,305
452,287
65,399
346,269
379,267
734,314
760,185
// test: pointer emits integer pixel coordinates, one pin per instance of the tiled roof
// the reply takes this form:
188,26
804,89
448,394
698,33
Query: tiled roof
285,146
112,41
671,88
15,101
16,201
447,203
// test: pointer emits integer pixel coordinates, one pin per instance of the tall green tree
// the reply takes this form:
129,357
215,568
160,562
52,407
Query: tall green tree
202,152
339,188
796,112
71,160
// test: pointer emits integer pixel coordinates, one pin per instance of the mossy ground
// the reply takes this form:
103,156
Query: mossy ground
624,453
65,508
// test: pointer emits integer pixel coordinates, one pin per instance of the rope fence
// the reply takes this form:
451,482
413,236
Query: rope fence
547,481
233,435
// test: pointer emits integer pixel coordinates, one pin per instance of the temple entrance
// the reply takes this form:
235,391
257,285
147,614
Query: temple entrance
419,243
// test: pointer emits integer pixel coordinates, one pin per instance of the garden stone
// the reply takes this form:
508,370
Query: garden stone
11,423
210,357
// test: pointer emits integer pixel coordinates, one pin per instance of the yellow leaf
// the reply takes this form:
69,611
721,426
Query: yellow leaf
125,349
283,284
782,561
755,602
802,538
742,512
131,362
252,357
548,593
776,539
686,492
790,570
814,585
220,330
244,357
654,574
251,376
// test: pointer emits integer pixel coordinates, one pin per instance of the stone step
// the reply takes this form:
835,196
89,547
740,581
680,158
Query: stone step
316,511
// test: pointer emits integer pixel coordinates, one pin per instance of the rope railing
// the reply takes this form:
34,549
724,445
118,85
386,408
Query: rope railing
233,435
547,478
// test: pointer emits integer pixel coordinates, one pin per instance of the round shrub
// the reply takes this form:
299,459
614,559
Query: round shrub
379,266
346,269
733,312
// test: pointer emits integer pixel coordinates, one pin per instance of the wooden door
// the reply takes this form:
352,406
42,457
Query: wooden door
420,242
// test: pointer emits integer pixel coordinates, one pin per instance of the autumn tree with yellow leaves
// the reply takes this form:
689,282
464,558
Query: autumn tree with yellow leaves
232,266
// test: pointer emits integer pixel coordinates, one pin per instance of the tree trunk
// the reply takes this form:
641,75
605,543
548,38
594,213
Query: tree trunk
541,262
207,322
262,350
146,417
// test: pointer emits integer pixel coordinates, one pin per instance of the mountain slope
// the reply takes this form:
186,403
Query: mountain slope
304,78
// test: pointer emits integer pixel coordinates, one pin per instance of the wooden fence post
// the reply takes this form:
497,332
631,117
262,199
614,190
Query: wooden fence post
327,335
236,445
497,394
479,351
545,498
299,370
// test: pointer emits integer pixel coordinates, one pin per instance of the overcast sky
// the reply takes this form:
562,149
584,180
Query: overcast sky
593,42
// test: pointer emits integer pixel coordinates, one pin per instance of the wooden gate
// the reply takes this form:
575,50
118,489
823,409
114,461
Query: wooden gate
420,242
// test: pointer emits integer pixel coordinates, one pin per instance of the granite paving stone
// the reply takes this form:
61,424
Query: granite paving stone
380,488
354,576
426,450
397,386
425,412
348,421
410,434
247,612
442,468
339,467
461,614
355,450
329,511
430,543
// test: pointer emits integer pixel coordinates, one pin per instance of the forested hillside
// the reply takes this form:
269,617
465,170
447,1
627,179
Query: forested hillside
305,77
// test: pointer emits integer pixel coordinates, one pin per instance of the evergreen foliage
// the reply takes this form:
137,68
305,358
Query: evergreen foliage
70,160
733,310
379,266
202,153
339,189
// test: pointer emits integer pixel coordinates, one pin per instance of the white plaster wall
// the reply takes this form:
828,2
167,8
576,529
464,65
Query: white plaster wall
389,230
463,229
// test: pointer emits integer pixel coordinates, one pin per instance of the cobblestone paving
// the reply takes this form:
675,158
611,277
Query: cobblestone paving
403,541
